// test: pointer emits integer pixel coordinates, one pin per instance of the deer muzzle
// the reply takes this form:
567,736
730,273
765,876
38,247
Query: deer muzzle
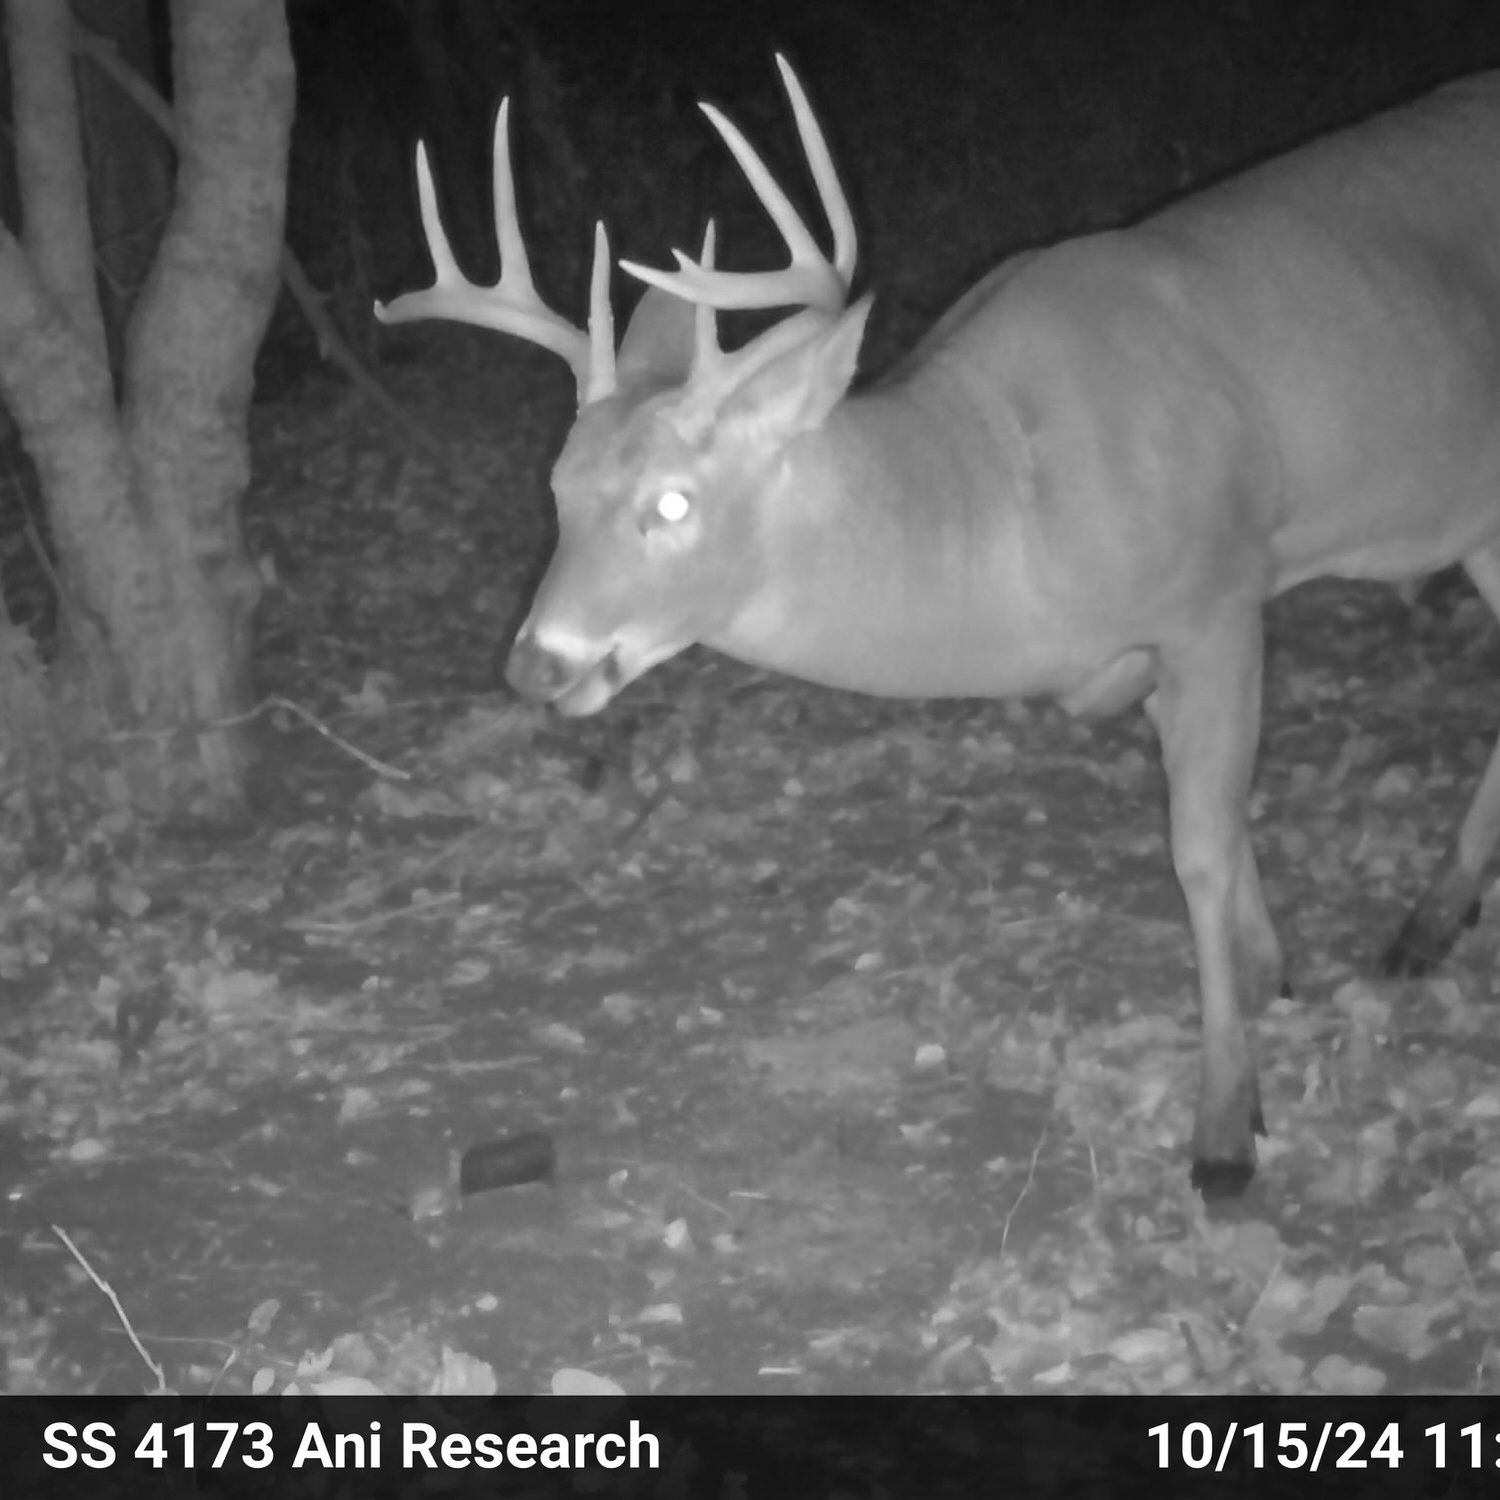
542,674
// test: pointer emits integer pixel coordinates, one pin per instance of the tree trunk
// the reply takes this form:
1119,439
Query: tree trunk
157,590
129,163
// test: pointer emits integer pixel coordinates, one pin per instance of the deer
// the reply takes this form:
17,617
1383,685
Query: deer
1083,484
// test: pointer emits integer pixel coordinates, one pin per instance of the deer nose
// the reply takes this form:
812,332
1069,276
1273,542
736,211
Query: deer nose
535,672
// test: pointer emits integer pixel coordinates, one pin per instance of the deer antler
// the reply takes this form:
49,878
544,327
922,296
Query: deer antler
811,279
512,305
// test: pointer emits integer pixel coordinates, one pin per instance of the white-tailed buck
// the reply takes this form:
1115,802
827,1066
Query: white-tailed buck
1084,483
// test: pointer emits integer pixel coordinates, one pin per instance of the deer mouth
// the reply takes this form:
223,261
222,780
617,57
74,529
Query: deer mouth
591,689
575,687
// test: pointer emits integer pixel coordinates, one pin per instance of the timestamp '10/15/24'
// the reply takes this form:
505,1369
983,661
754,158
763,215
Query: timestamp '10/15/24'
1312,1445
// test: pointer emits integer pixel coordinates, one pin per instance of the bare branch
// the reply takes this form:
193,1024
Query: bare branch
331,343
49,164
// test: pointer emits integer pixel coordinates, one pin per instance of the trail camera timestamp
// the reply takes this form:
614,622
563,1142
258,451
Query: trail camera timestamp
1314,1446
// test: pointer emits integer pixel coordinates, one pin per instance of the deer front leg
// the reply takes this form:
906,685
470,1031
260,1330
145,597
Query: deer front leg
1206,708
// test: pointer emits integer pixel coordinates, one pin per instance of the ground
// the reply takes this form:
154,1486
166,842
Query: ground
863,1034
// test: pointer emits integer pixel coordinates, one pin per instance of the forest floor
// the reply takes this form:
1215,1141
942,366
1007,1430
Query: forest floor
854,1043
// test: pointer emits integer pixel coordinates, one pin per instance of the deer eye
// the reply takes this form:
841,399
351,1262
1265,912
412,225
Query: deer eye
672,507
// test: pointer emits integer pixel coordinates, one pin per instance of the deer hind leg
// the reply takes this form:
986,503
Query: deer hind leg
1206,709
1451,900
1259,949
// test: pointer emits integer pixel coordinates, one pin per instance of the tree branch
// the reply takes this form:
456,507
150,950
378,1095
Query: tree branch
49,165
331,342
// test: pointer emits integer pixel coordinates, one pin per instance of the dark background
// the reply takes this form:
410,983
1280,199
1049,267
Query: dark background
963,130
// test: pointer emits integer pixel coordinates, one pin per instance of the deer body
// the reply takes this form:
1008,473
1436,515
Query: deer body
1138,417
1084,482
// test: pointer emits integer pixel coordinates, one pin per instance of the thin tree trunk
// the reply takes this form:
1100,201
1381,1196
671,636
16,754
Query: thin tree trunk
53,375
129,163
190,363
49,163
144,498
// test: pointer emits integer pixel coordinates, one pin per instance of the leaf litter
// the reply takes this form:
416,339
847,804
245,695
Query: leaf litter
864,1034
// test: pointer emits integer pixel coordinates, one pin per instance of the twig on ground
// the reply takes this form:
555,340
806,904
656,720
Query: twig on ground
1025,1188
379,767
162,1389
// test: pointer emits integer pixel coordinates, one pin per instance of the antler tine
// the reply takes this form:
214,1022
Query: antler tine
715,373
706,350
601,378
825,174
515,264
810,280
413,305
512,304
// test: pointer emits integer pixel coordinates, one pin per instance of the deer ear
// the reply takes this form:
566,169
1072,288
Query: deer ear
657,349
795,392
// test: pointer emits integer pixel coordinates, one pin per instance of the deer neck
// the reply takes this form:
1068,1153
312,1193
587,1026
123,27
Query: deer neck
893,552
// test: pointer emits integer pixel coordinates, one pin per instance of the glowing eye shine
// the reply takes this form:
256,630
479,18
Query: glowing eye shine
673,506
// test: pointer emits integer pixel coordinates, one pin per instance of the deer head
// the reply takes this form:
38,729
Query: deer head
661,484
